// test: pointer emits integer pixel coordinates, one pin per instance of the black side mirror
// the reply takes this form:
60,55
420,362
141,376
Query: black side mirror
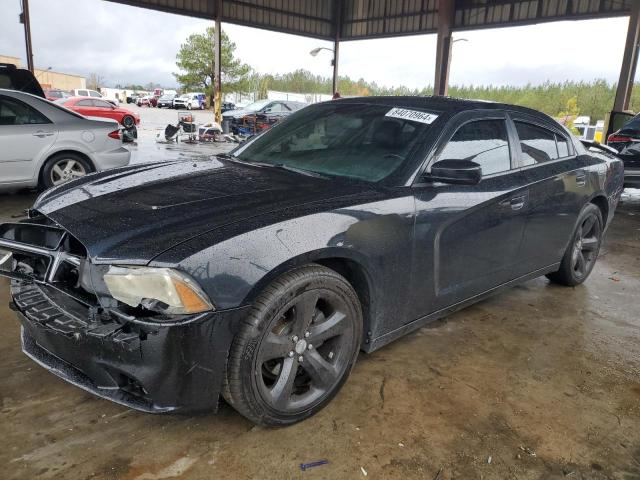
461,172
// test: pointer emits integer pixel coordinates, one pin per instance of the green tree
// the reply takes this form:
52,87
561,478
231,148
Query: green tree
196,61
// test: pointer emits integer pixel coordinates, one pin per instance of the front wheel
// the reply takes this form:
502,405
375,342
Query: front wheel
582,252
296,348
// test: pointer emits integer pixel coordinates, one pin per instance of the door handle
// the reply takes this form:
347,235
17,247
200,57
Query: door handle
581,179
42,134
515,203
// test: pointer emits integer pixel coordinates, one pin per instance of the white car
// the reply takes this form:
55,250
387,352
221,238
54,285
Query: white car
190,101
85,92
44,144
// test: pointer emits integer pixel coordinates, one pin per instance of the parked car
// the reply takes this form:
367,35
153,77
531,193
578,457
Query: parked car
44,144
265,112
260,276
54,94
165,101
84,92
133,97
96,107
626,141
14,78
147,101
190,101
227,106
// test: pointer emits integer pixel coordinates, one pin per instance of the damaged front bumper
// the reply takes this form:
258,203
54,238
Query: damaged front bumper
152,368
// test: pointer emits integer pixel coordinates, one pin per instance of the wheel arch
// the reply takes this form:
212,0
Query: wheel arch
353,269
601,202
60,152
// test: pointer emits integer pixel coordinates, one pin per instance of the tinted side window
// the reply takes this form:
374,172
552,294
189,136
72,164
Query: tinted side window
484,142
85,103
102,104
538,144
94,94
14,112
563,146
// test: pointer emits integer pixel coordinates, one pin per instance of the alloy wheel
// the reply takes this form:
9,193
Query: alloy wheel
66,169
585,247
305,352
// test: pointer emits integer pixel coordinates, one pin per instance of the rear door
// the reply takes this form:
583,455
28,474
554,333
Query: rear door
467,236
26,136
559,185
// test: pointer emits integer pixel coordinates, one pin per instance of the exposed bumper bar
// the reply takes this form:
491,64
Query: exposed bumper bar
152,369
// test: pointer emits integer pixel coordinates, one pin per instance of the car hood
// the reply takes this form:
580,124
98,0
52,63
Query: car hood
132,214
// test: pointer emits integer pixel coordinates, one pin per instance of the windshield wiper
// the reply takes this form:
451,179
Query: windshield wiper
301,171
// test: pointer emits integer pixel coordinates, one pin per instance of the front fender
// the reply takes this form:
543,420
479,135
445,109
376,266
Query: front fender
376,236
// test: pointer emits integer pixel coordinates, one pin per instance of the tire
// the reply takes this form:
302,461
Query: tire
188,106
128,121
582,252
308,304
62,168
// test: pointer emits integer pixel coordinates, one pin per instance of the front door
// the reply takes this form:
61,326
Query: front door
26,135
467,236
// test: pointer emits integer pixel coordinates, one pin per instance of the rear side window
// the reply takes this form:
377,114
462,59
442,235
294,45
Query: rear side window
85,103
15,112
563,146
94,94
484,142
538,144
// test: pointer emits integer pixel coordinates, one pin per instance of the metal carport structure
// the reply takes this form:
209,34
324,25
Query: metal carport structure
344,20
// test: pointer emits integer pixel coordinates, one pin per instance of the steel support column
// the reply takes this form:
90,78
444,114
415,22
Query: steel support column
446,16
217,60
629,60
337,5
336,52
26,20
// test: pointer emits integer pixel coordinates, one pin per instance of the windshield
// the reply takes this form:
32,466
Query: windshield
166,97
255,106
360,141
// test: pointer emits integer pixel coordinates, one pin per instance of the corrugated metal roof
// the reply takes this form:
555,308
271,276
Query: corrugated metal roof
360,19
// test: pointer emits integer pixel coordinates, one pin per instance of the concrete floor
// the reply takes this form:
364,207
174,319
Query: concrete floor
539,382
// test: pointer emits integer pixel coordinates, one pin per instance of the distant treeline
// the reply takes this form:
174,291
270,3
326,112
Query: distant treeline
593,98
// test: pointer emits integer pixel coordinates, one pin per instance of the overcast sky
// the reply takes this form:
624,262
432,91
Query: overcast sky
130,45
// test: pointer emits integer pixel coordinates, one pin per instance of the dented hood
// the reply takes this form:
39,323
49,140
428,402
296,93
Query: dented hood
133,214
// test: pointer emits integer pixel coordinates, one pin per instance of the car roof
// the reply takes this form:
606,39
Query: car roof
450,105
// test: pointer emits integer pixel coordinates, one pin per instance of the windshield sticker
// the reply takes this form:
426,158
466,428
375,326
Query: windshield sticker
414,115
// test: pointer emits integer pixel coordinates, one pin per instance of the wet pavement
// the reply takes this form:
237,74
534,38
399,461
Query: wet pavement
540,382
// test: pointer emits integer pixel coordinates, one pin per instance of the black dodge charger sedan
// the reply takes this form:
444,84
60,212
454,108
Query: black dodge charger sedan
259,275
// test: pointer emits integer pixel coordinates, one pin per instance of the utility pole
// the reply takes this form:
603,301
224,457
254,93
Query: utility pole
26,21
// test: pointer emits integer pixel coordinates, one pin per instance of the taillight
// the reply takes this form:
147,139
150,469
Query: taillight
115,134
618,138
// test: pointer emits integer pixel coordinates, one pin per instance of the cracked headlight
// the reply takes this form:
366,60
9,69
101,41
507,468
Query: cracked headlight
161,290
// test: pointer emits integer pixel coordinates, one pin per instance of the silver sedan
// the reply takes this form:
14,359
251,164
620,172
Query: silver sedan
43,144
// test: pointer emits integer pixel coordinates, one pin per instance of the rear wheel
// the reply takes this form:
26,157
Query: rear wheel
296,348
62,168
582,252
128,121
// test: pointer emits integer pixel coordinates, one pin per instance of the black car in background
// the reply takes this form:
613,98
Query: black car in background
166,101
226,106
260,275
626,141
